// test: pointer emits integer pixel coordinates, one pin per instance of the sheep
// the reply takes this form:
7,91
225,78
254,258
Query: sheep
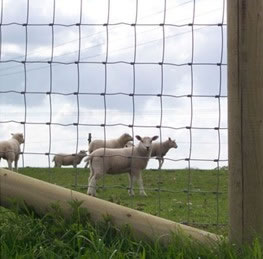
111,143
10,149
69,159
160,149
129,144
131,160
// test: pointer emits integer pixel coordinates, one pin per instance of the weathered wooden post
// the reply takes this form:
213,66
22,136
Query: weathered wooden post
245,119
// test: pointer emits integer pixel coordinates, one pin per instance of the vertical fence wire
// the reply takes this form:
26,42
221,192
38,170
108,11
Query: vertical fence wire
219,114
161,100
24,62
78,88
133,85
191,120
50,92
106,84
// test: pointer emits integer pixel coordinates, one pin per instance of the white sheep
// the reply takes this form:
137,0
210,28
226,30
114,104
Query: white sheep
10,149
131,160
129,144
69,159
111,143
160,149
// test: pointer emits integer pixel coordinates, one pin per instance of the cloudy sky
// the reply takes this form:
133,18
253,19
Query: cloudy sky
106,56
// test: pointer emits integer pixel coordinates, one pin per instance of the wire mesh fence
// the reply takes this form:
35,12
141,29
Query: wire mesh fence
145,68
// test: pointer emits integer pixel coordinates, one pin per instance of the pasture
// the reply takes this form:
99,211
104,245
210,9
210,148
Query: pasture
26,235
196,197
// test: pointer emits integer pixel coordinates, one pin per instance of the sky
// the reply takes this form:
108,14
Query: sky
107,55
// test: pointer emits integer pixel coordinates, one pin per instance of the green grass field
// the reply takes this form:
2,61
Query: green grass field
26,235
196,197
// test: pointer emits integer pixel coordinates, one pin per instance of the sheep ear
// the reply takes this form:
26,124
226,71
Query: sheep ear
138,137
154,138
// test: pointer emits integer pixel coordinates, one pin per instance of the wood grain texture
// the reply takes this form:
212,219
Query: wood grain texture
245,119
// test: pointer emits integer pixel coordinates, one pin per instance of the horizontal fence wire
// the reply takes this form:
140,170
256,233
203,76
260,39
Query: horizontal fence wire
21,65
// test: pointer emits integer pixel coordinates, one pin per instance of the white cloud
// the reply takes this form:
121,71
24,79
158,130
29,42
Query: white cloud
148,79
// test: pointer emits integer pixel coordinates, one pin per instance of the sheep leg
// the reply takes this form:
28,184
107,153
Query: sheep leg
161,160
92,184
131,184
141,188
56,165
91,174
90,190
86,166
10,165
16,161
16,165
160,164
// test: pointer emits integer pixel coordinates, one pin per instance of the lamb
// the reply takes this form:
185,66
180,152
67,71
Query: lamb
69,159
131,160
129,144
112,143
159,150
10,149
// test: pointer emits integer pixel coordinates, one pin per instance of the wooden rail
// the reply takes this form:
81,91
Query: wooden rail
40,195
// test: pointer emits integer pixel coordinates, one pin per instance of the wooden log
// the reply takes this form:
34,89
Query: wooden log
245,119
40,195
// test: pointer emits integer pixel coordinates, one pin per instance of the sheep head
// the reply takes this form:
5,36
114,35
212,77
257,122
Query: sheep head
172,143
129,144
127,137
146,142
82,153
19,137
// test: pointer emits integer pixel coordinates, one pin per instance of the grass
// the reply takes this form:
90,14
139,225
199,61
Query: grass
203,206
52,236
197,197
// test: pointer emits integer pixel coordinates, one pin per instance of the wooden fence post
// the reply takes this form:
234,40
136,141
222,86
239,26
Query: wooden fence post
245,119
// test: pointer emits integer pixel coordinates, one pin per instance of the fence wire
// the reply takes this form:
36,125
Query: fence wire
23,64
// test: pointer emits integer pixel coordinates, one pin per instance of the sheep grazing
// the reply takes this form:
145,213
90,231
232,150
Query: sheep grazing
111,143
10,149
69,159
159,150
130,160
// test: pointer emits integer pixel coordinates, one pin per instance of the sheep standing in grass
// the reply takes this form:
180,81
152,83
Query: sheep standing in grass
159,150
10,149
131,160
69,159
111,143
